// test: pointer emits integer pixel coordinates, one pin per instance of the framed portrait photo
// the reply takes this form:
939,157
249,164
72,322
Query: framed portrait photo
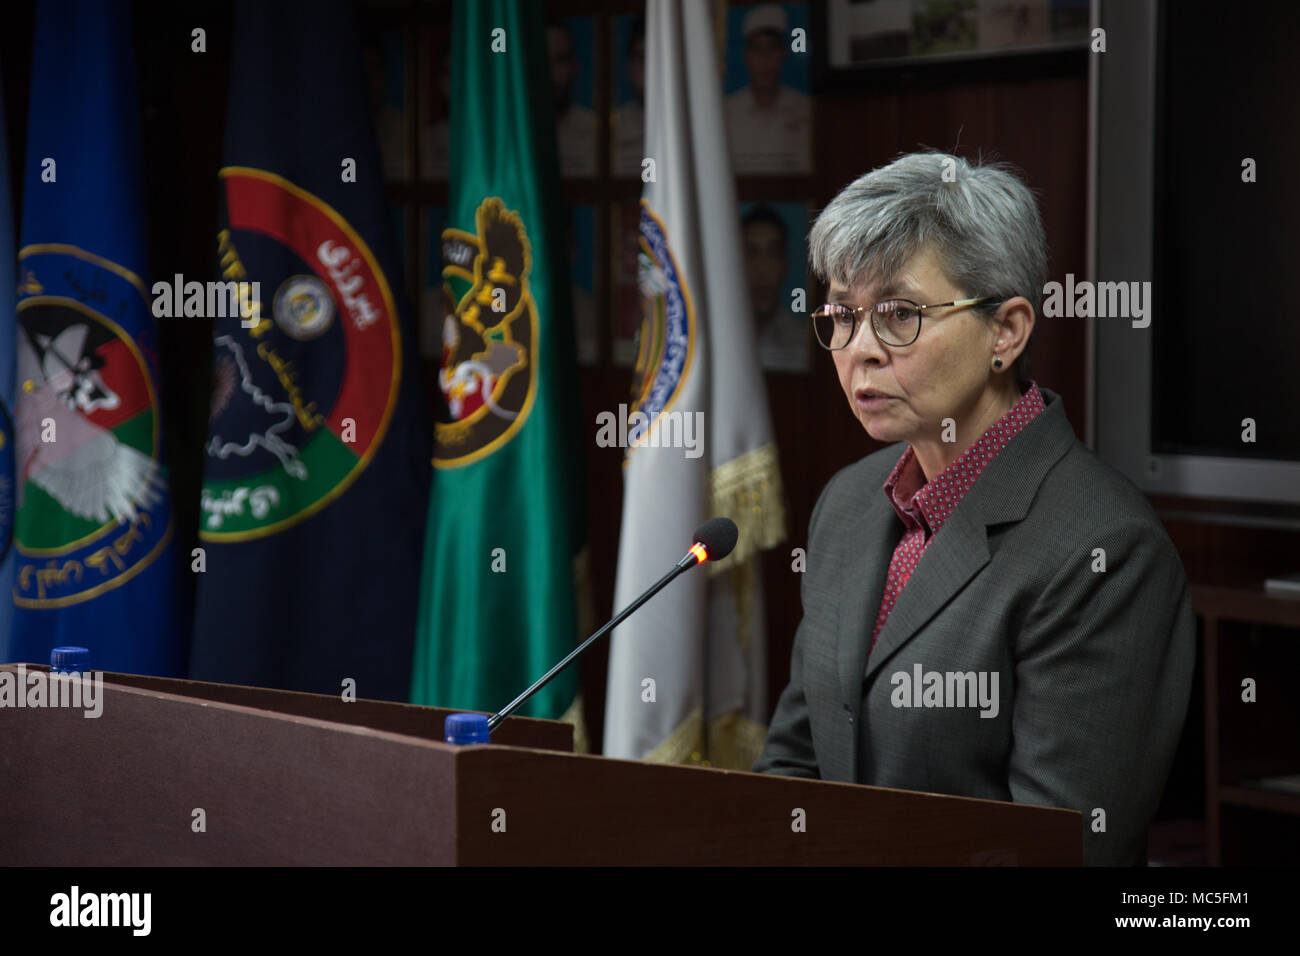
571,46
627,119
383,54
766,102
434,95
582,281
772,241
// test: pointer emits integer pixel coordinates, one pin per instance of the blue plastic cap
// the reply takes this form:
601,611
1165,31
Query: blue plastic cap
466,729
70,659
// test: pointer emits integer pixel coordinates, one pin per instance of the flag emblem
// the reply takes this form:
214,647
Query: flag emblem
667,326
489,339
90,483
303,307
300,402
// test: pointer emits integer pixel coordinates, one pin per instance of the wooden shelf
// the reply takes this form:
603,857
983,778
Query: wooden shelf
1245,604
1223,608
1257,798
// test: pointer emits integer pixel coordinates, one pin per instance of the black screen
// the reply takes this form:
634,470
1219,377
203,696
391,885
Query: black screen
1226,289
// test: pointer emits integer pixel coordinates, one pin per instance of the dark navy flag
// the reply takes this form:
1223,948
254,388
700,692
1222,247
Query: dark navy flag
8,487
317,461
93,541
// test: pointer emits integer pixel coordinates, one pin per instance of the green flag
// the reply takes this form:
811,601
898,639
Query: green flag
505,518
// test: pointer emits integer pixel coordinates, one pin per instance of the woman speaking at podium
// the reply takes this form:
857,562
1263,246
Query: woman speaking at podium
988,609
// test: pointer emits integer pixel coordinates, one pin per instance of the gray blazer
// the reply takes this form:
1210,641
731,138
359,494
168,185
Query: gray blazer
1085,673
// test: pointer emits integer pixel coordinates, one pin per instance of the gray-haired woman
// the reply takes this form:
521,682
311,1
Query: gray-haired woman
989,610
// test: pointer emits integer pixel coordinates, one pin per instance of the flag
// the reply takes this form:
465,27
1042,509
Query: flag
317,454
687,676
8,334
94,538
506,521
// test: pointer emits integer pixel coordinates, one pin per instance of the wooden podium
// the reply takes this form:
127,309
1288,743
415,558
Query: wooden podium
278,777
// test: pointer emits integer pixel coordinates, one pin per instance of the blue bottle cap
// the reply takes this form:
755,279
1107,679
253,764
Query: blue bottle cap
70,659
466,729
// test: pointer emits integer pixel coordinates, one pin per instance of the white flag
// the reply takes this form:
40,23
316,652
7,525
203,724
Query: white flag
687,674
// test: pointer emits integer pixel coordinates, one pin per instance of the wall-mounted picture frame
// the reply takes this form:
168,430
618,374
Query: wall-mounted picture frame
434,99
384,59
772,240
571,47
766,103
890,43
583,263
627,115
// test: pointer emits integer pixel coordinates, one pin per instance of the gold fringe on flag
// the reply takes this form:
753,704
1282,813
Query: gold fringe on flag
735,742
748,490
574,715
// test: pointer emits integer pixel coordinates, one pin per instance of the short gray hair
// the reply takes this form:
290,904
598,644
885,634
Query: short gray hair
980,220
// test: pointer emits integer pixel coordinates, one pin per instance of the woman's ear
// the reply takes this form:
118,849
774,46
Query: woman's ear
1015,323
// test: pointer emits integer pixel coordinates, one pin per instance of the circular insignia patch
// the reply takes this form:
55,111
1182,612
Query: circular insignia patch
303,307
489,339
301,399
92,507
667,327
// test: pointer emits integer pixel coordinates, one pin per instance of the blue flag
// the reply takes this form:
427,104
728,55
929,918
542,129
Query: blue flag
95,562
317,463
8,488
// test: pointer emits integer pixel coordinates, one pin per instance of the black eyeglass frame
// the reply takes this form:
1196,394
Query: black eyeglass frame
876,310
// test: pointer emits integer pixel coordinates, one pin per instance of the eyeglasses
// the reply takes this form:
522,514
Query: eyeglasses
896,322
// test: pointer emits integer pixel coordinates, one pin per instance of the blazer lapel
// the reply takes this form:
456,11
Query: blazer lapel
958,551
877,531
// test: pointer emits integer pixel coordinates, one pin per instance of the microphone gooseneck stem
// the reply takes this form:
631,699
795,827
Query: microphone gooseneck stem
689,561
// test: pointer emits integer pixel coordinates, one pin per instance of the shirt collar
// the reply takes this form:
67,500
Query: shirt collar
928,505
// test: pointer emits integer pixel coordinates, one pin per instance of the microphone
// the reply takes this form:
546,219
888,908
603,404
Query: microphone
713,541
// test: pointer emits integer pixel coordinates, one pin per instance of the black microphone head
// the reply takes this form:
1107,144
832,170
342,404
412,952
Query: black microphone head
718,535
